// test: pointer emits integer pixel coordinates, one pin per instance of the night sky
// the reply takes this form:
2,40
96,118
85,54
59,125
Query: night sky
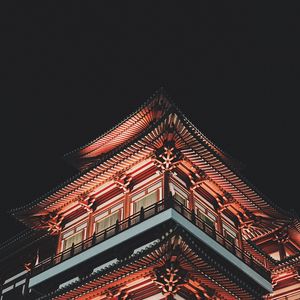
70,72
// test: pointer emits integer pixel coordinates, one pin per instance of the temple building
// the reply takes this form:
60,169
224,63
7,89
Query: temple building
156,211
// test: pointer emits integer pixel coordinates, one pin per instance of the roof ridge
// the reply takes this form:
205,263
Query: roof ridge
14,238
158,92
210,146
228,156
233,168
260,251
107,269
82,173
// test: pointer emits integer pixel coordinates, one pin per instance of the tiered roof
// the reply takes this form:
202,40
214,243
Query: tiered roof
139,267
136,139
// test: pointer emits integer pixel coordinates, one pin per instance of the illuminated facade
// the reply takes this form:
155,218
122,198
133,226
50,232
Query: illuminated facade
157,211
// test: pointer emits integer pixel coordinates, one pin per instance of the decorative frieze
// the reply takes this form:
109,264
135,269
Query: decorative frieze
244,223
282,235
170,277
167,157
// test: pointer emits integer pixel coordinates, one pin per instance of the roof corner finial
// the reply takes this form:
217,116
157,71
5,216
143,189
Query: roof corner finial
161,93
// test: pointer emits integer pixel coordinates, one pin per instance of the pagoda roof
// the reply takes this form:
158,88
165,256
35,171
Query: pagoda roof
18,241
86,155
141,264
154,108
135,139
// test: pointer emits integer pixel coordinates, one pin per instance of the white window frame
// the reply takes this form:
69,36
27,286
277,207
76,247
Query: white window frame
228,230
69,237
154,187
155,193
204,210
101,214
177,189
71,231
108,215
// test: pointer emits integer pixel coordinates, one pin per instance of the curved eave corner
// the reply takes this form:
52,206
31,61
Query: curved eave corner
77,159
225,159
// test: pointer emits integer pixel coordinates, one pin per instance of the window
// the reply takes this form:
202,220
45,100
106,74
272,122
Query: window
180,199
229,238
145,202
107,221
206,219
179,193
74,239
229,234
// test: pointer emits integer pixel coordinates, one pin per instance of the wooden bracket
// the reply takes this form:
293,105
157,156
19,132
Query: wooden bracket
124,182
52,222
167,157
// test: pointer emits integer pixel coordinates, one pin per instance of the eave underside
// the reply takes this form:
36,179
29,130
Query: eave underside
130,275
122,133
187,142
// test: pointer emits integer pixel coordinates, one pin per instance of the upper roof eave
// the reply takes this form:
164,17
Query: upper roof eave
75,157
161,92
98,162
226,160
222,157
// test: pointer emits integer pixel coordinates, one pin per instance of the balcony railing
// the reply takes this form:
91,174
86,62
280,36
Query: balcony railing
139,217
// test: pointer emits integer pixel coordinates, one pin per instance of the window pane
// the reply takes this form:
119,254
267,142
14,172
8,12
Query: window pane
180,199
205,219
209,222
145,202
230,236
75,239
107,222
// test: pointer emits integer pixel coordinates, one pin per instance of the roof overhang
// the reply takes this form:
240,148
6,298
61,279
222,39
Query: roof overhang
141,228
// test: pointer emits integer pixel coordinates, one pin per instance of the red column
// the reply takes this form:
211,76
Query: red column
58,248
281,249
166,181
89,230
126,204
219,223
240,238
191,200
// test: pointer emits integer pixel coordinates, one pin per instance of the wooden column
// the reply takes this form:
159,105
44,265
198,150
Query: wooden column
126,205
124,183
281,249
282,237
240,238
89,229
219,222
166,184
191,200
166,188
59,242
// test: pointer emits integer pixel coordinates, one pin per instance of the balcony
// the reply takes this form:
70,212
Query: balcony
158,213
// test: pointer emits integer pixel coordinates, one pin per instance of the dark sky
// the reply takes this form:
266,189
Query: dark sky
69,72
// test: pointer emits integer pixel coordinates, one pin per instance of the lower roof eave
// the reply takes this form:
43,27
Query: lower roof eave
143,227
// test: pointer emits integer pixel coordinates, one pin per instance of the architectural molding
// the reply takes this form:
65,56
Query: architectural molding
167,157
